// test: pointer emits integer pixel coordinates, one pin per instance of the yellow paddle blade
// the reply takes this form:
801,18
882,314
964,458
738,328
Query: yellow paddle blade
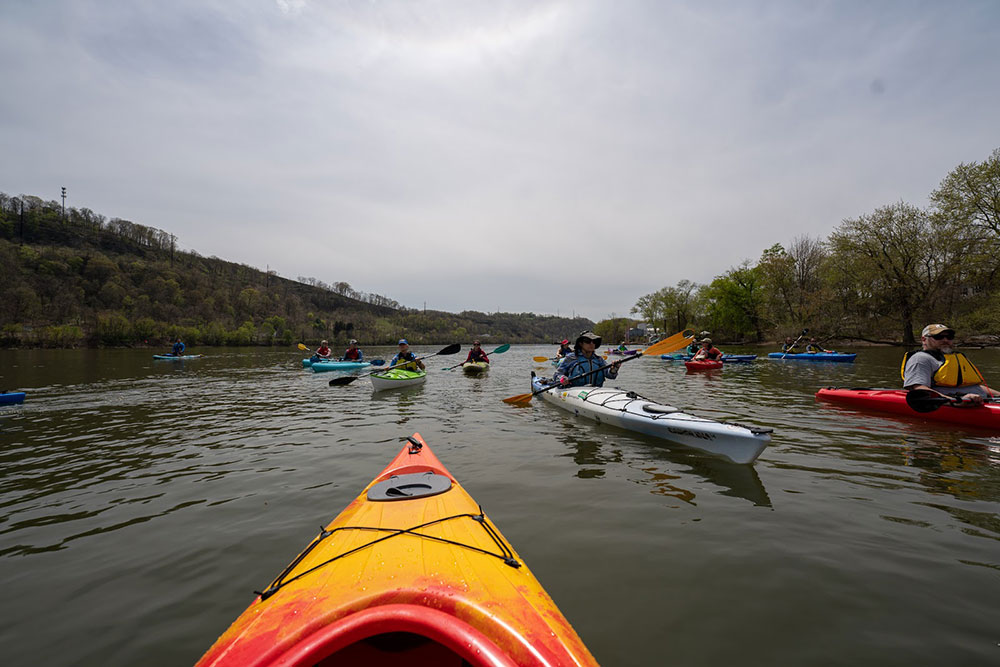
302,347
672,344
520,399
541,359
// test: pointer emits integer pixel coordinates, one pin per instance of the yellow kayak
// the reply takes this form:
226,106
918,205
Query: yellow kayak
475,367
410,573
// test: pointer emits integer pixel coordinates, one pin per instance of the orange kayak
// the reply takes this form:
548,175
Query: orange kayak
410,573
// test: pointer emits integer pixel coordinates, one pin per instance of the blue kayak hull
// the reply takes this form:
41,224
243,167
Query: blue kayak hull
726,357
170,357
818,356
12,397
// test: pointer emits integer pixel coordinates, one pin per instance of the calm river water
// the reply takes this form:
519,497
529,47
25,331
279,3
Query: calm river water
142,502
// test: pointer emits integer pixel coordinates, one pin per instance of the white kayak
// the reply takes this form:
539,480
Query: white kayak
396,378
628,410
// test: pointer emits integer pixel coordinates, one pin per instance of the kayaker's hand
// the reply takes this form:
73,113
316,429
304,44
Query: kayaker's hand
564,381
973,399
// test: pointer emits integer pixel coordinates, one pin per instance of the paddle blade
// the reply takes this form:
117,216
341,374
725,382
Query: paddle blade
542,359
500,350
519,400
342,380
451,349
672,344
925,400
302,347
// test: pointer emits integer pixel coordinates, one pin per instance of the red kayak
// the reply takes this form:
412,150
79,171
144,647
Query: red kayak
894,401
703,365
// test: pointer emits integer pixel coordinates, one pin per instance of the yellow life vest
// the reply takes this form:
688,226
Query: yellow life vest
956,371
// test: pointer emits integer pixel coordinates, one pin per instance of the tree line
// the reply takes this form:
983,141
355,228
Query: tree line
878,277
78,278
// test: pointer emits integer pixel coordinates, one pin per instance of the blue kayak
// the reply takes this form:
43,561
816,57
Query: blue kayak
170,357
817,356
726,357
11,397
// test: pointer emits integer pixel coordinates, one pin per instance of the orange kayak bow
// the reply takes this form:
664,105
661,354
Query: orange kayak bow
411,572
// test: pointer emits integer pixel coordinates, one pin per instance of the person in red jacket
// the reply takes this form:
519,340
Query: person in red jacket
352,353
708,351
323,353
476,353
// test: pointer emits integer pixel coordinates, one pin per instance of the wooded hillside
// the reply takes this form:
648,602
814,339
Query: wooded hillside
79,278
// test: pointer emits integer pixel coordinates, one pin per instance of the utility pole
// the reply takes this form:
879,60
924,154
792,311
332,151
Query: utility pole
22,222
64,203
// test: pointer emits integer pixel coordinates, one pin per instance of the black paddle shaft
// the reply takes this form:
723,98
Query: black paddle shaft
583,375
928,400
451,349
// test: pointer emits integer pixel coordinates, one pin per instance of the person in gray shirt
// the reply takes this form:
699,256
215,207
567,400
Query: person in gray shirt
938,367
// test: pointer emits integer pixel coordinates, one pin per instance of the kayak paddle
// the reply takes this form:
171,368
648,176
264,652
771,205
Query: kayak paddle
500,350
928,400
348,379
524,399
665,346
796,342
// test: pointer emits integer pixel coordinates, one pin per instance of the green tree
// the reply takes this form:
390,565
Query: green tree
892,263
735,302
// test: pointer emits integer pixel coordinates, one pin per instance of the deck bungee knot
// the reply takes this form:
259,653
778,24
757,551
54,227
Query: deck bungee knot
506,554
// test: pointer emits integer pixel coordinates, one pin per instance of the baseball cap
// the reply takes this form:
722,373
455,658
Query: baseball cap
353,342
935,329
402,341
565,341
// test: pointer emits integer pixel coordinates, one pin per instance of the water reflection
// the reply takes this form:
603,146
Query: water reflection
676,473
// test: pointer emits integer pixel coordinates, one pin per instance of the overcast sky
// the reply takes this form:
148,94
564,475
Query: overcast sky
547,156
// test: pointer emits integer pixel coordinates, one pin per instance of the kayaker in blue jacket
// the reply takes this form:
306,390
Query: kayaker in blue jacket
582,360
405,355
178,348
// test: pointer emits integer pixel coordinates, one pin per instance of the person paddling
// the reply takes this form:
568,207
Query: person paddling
564,348
178,348
353,353
322,353
813,347
404,355
477,354
582,360
708,351
938,367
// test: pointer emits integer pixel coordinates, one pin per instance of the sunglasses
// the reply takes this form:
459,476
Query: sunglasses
944,336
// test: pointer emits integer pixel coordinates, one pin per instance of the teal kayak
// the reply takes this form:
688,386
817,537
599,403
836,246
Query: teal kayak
170,357
320,366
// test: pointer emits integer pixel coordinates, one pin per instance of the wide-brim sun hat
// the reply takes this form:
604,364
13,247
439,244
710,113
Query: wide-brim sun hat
591,336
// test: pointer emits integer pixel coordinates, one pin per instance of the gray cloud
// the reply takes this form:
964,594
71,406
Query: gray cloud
523,156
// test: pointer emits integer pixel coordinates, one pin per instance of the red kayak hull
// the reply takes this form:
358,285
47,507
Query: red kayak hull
703,365
894,401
